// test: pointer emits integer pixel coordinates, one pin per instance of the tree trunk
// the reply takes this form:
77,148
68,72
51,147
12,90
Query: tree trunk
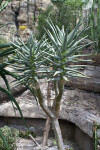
53,117
48,120
46,132
58,134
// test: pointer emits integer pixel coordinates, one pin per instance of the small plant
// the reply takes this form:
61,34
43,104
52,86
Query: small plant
70,148
26,134
54,142
96,138
42,20
64,12
93,18
10,136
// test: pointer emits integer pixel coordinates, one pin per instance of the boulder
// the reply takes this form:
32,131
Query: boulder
18,12
91,83
27,104
22,18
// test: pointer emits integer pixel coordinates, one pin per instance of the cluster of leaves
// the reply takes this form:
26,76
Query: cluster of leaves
10,137
68,12
35,58
11,134
91,18
3,4
95,24
26,134
2,40
42,20
96,136
61,13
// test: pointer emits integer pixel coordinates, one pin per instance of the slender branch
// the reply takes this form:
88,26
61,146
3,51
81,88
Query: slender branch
48,120
59,97
41,102
46,131
56,87
34,140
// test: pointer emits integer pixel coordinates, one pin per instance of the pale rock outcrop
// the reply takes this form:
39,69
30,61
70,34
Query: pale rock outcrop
76,108
21,13
91,83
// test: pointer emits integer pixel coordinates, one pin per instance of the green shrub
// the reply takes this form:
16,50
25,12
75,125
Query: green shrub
61,13
10,136
49,12
26,134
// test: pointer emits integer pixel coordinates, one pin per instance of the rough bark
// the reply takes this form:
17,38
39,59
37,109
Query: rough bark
58,134
53,116
55,123
58,98
46,132
48,121
41,102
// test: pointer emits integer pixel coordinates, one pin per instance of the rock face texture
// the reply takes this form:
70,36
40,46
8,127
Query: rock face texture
83,98
24,144
92,83
76,108
21,13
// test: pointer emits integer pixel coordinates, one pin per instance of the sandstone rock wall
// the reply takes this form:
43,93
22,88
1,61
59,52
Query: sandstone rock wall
78,106
91,83
83,99
21,13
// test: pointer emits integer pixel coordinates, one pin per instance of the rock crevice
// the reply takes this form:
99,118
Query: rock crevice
22,13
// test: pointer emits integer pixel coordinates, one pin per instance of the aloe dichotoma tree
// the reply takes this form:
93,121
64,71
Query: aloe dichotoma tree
34,59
